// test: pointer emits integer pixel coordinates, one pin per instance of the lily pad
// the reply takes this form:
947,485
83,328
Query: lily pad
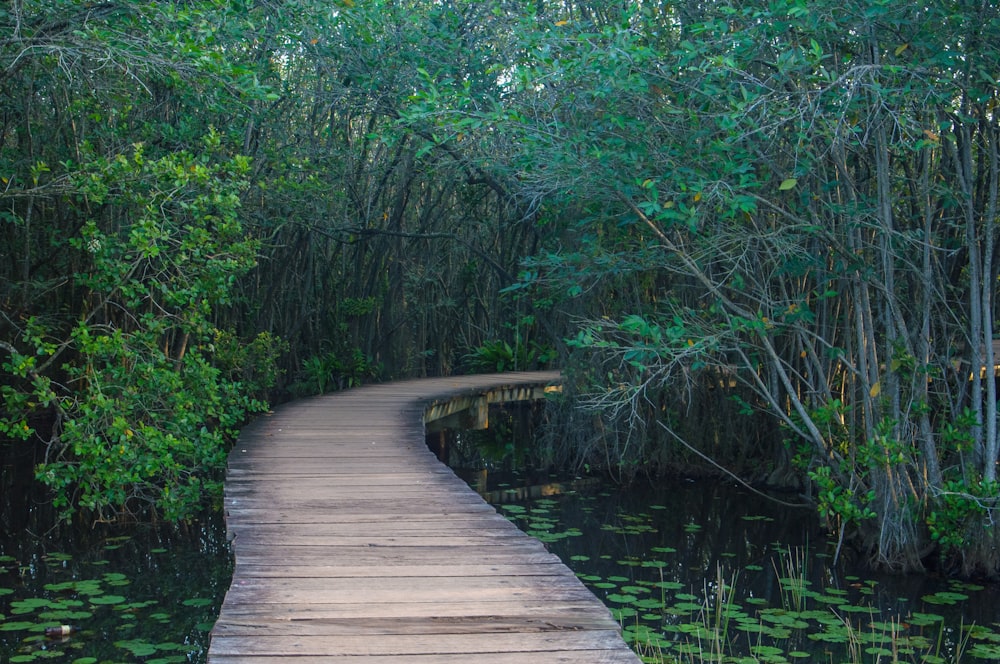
988,651
116,579
107,600
924,619
57,557
945,598
621,599
29,605
624,612
16,626
137,647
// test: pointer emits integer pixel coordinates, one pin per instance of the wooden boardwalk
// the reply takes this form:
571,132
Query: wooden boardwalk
353,542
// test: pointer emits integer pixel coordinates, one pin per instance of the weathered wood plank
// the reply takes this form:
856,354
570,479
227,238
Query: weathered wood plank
416,644
399,555
468,608
544,567
357,626
345,589
575,657
352,542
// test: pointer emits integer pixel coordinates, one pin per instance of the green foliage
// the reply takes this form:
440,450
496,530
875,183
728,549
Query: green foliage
959,512
761,191
121,204
959,433
784,207
499,355
334,371
143,415
840,506
254,366
146,432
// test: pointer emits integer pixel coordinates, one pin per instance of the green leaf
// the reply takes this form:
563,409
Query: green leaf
107,599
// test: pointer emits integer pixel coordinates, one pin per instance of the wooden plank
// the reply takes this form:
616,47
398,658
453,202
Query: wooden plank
393,504
317,532
356,626
353,543
388,557
416,644
370,517
345,589
514,607
575,657
320,571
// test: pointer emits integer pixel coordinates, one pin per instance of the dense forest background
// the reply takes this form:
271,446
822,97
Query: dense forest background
758,236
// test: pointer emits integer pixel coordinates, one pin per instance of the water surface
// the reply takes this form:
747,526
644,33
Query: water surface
714,568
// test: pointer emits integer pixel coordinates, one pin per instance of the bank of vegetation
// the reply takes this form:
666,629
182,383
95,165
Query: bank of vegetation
763,234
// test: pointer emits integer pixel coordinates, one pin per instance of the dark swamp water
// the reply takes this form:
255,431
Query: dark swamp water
137,594
705,570
694,571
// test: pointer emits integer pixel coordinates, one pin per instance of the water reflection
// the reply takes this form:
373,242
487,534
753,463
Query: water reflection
129,593
667,556
135,593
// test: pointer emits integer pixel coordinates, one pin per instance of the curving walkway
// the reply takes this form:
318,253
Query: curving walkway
353,542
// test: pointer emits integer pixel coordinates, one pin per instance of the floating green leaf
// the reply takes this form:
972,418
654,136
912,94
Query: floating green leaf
623,612
197,601
137,647
985,651
107,599
945,598
621,599
116,579
16,626
57,557
924,619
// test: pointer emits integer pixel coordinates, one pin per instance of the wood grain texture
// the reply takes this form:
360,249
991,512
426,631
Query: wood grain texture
353,543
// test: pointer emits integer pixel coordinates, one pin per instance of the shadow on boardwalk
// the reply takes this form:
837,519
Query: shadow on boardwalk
352,541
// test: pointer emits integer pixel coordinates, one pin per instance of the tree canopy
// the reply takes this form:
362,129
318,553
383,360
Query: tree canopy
720,218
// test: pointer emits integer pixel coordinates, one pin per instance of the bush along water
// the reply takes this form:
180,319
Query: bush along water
136,396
